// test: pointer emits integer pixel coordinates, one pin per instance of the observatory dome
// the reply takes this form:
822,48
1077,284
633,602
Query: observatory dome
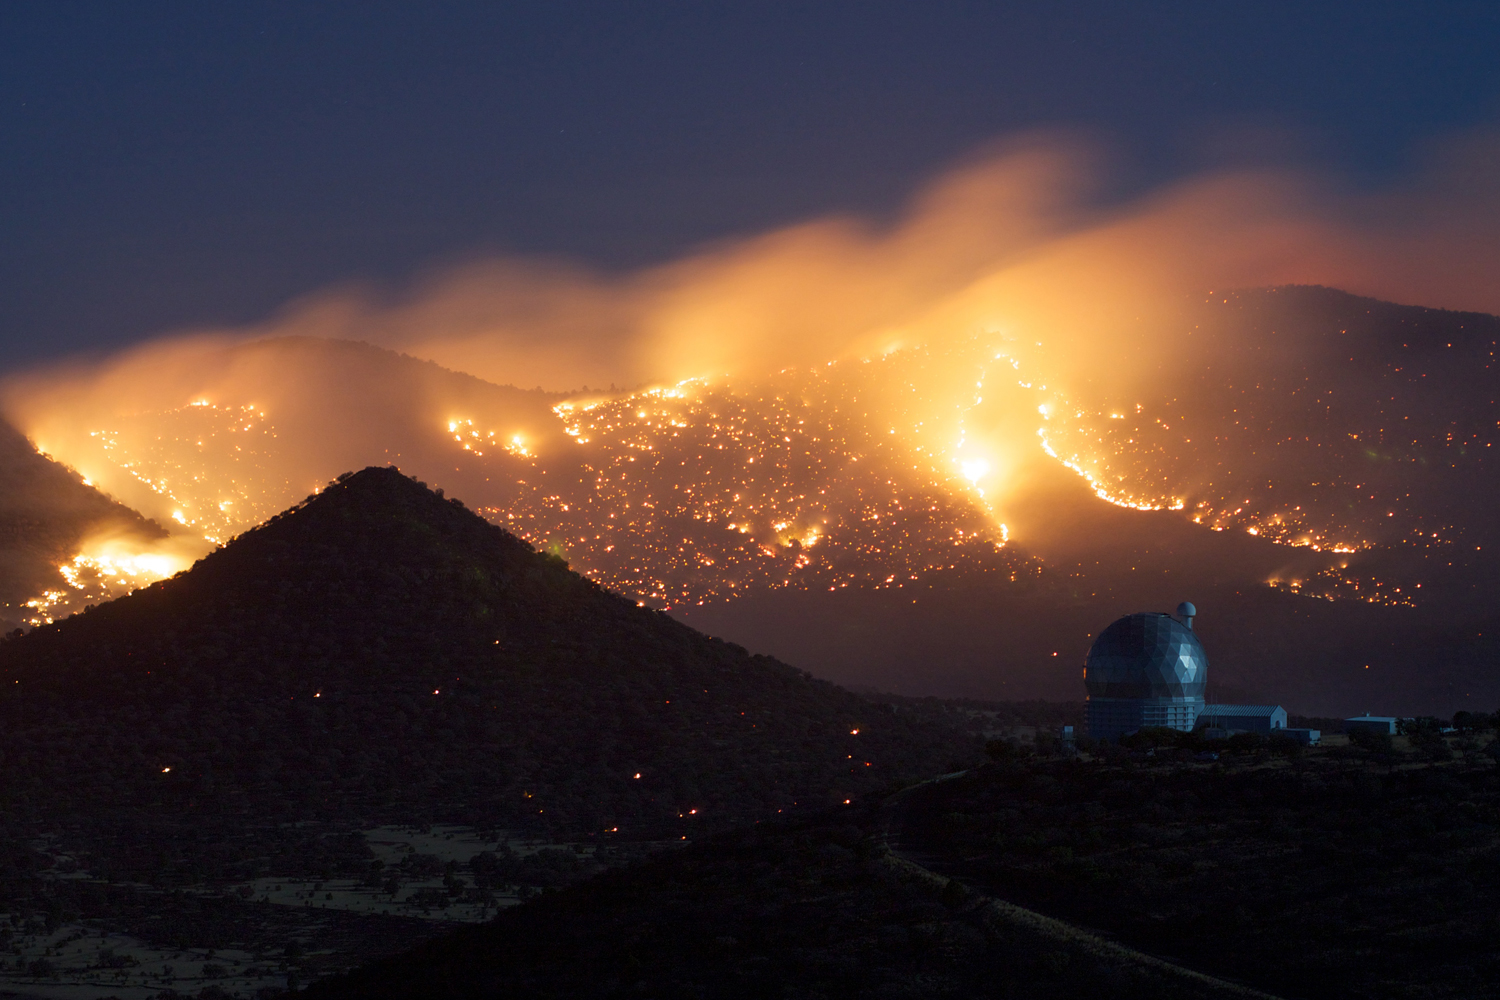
1146,656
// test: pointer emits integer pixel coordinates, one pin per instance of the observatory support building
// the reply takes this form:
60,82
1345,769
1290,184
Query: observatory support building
1145,670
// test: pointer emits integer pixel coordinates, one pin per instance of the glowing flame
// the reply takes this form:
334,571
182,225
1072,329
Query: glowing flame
975,469
107,568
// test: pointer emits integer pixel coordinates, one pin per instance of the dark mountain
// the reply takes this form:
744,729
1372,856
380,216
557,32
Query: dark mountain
380,654
1316,416
979,635
46,510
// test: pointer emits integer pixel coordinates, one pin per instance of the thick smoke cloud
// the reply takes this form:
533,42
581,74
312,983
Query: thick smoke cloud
1089,300
1013,241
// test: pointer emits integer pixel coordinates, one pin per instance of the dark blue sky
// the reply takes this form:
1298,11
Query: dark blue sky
168,164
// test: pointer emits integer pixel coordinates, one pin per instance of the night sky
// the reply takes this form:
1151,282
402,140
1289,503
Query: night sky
175,164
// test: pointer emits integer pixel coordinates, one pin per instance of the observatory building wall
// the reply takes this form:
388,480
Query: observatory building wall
1110,719
1144,670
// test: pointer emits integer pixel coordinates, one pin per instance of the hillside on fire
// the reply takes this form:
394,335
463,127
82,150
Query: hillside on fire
1313,467
47,513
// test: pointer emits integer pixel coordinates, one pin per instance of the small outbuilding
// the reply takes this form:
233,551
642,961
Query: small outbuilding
1372,724
1263,719
1307,737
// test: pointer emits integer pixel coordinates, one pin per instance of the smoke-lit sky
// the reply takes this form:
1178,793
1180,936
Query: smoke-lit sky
178,165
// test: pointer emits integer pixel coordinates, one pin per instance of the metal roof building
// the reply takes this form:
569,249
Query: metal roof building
1371,723
1263,719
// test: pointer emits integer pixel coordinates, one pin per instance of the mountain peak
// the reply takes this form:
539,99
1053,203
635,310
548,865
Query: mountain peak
382,493
386,523
379,653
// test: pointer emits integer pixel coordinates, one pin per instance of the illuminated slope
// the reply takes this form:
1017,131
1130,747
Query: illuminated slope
47,515
1345,429
1314,418
980,636
853,475
245,430
807,479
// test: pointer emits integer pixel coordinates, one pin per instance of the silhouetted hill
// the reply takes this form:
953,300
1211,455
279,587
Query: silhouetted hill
382,654
46,510
1364,871
807,909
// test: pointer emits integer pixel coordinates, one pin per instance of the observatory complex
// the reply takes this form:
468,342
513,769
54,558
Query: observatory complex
1149,669
1145,670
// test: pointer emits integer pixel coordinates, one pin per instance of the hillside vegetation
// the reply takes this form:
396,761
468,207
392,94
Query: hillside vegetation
1355,872
813,908
381,654
1352,872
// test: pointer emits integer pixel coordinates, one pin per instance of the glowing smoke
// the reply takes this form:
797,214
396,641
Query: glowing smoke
1031,313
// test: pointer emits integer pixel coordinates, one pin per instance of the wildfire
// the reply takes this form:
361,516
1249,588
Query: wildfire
211,465
477,441
1337,583
878,472
1099,490
107,569
704,489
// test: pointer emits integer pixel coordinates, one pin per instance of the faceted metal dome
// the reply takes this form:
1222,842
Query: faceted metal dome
1146,656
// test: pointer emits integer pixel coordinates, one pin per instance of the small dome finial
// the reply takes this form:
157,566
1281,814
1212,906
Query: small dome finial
1186,612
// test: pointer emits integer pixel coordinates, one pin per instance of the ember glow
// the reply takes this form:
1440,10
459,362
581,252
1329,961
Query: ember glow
707,488
110,567
209,464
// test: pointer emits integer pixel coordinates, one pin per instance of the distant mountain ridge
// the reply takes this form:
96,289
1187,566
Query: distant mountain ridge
1300,421
1320,418
1300,415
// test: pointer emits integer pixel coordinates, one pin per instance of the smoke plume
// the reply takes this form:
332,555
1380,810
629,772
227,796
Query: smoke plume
1010,310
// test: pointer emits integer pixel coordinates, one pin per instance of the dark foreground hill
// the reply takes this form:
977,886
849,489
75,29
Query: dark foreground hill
816,908
383,654
1366,871
1344,872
